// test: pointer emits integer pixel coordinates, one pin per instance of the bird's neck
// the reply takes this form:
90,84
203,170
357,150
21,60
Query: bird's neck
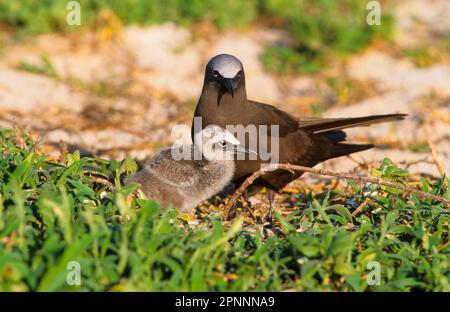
239,94
238,100
219,113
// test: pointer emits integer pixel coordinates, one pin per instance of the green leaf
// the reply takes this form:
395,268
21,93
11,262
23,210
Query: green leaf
82,188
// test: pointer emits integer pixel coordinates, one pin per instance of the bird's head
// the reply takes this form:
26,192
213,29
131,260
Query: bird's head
225,73
217,143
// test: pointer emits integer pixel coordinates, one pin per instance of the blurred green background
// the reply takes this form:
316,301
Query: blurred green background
320,29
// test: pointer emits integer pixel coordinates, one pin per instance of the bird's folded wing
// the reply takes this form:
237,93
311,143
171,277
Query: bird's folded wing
318,125
261,113
265,114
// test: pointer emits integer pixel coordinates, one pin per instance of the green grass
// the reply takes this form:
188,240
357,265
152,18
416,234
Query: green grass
419,147
426,56
322,30
46,68
52,213
20,15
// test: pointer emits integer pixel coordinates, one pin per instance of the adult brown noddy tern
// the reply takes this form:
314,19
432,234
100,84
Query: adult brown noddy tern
306,142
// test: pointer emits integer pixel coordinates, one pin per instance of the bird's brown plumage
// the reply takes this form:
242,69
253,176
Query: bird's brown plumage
302,142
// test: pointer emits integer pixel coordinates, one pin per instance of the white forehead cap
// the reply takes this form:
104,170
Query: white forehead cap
215,134
227,65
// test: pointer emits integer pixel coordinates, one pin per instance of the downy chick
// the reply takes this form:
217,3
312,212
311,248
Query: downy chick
184,176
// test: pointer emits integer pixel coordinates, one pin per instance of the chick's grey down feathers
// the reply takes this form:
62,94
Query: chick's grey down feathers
301,142
182,183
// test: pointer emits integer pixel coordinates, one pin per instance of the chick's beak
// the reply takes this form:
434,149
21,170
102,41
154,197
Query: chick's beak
242,149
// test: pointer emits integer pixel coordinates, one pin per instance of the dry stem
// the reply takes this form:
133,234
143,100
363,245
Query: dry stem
322,172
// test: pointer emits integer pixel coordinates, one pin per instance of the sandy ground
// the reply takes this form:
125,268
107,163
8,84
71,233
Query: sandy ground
120,95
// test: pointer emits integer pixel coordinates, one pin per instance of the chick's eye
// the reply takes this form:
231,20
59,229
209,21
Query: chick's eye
215,73
222,144
238,75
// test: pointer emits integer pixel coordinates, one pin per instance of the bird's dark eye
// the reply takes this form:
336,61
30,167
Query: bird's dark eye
238,75
222,144
215,73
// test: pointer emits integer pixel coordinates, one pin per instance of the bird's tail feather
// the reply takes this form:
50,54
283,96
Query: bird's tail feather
335,136
320,125
341,149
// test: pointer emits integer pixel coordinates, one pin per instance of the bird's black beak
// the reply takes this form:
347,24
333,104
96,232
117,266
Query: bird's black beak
242,149
228,84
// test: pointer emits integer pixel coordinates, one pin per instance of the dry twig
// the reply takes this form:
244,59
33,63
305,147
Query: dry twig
342,175
62,152
360,207
444,246
433,151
